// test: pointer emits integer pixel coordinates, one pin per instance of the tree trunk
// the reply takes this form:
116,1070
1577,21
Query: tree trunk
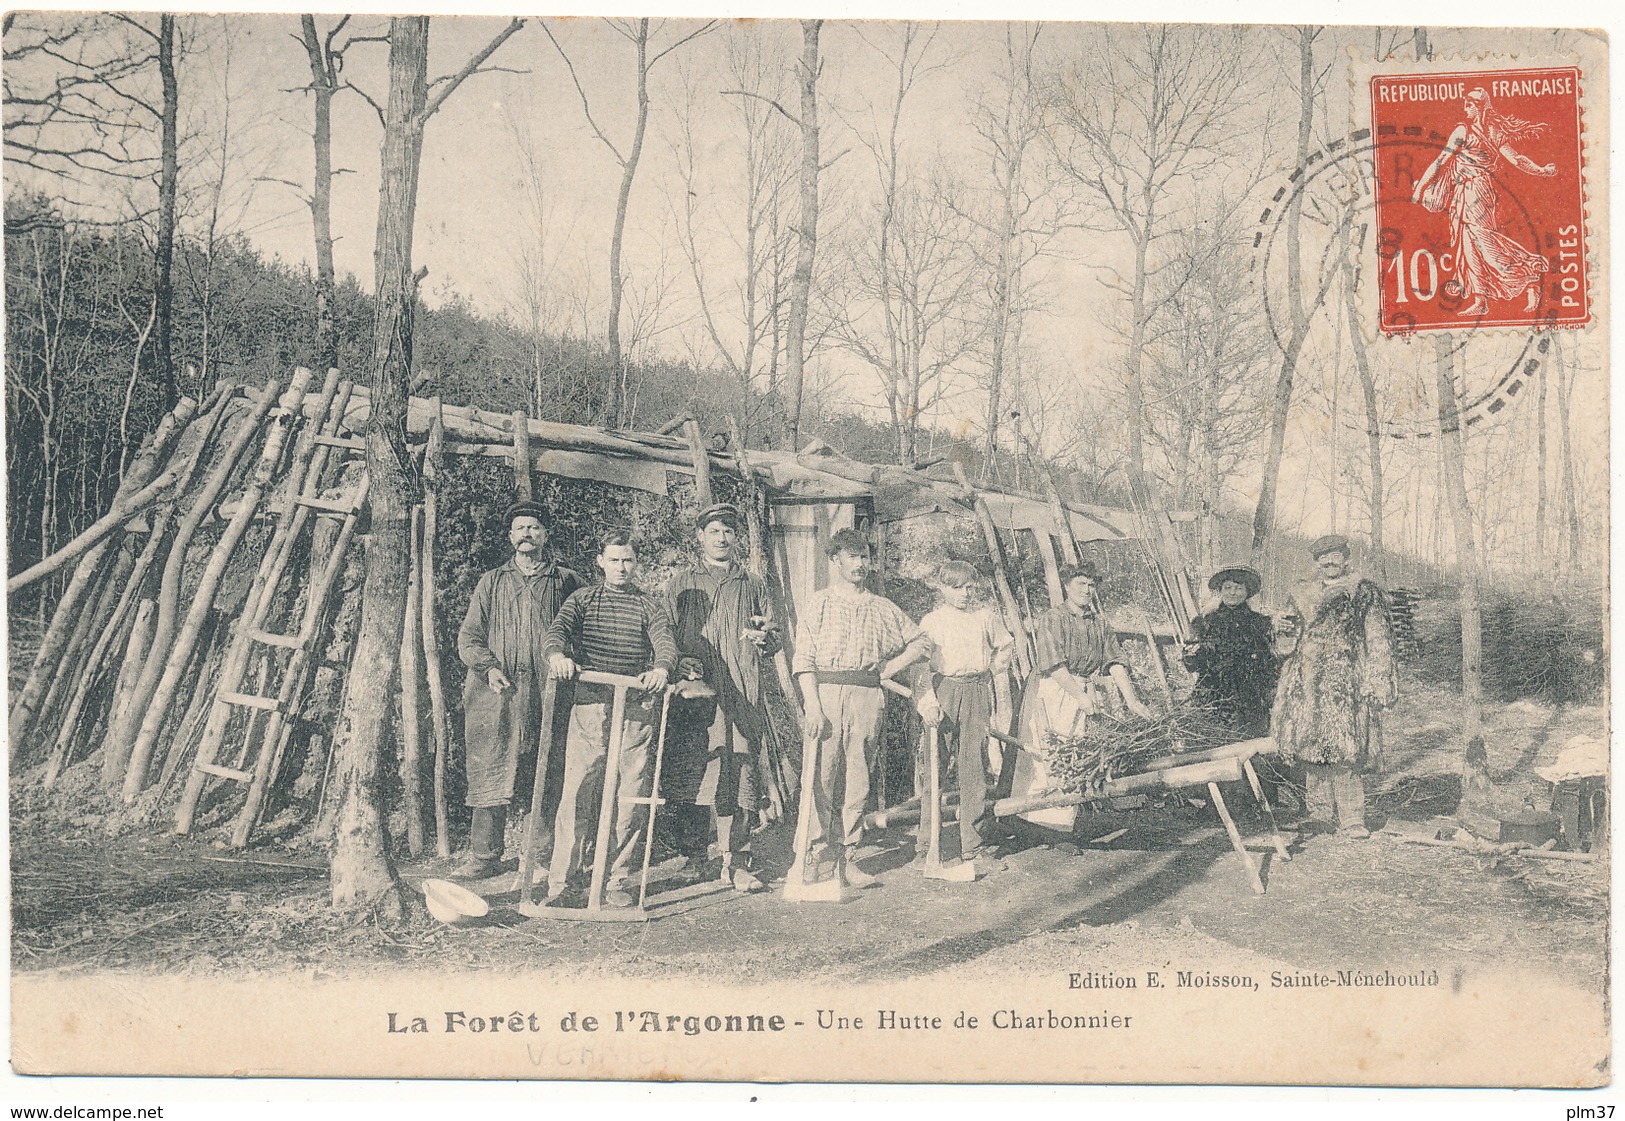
323,85
1571,503
614,408
164,254
363,874
1281,402
1452,455
1540,467
807,233
1139,484
1373,425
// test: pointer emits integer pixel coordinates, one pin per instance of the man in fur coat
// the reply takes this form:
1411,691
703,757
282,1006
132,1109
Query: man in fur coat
1334,685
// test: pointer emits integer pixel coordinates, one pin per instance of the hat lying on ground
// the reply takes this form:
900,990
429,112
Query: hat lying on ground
1241,574
453,904
1331,543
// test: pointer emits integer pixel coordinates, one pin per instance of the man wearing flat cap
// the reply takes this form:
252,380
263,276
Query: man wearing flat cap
1232,654
724,628
1334,685
501,642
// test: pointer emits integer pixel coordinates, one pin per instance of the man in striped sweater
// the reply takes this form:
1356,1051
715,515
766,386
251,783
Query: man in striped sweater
613,627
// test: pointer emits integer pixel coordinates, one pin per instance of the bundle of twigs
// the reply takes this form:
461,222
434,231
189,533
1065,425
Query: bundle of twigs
1112,746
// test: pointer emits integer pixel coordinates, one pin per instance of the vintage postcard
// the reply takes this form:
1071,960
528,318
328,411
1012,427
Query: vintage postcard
807,550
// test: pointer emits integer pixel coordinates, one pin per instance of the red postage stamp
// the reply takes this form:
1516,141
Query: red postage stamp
1480,199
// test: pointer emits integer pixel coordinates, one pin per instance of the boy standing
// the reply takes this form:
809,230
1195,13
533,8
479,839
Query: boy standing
611,627
968,647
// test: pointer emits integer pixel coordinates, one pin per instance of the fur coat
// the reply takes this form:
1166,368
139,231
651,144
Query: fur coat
1341,668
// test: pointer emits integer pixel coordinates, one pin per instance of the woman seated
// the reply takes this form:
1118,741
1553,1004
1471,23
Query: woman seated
1078,673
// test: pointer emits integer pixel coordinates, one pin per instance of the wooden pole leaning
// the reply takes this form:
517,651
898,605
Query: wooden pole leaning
702,462
430,636
800,882
66,613
203,599
409,673
960,871
528,903
279,726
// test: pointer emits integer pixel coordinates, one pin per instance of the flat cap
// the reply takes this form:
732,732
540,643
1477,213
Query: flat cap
718,512
1331,543
524,510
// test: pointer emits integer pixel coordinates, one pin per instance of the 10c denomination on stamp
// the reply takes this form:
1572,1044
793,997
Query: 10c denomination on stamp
1480,198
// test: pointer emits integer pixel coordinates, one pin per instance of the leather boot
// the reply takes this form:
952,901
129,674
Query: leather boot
485,843
851,874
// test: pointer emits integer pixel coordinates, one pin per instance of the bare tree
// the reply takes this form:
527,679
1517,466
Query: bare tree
743,317
910,268
795,329
362,871
1453,461
1207,351
1023,212
643,39
325,54
1143,117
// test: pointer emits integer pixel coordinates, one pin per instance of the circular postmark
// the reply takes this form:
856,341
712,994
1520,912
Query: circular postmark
1330,256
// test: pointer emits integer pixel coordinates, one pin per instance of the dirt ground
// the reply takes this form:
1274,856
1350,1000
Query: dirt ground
151,903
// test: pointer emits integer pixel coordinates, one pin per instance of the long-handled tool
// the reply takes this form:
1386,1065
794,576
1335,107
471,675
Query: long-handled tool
654,800
533,828
800,884
960,871
594,910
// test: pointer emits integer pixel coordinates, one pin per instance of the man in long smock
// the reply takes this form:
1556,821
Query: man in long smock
847,640
613,627
723,625
1339,677
501,642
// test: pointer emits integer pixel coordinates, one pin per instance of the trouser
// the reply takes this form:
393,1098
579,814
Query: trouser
586,758
1334,792
706,771
967,706
845,754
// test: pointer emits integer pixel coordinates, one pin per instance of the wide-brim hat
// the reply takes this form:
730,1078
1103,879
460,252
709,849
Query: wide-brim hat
1241,574
453,903
524,510
719,512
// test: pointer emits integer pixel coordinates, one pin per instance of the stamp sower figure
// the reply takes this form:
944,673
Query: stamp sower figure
968,648
501,642
724,628
1077,671
847,640
1489,263
613,627
1232,653
1339,677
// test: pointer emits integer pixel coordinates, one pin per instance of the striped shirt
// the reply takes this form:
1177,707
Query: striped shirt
1083,644
508,616
842,631
613,630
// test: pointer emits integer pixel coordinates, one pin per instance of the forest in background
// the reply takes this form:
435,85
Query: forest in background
1018,246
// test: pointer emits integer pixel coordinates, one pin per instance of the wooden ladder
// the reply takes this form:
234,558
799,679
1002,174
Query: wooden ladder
269,717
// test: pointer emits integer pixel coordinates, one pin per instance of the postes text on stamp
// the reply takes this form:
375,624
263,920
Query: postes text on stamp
1480,199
